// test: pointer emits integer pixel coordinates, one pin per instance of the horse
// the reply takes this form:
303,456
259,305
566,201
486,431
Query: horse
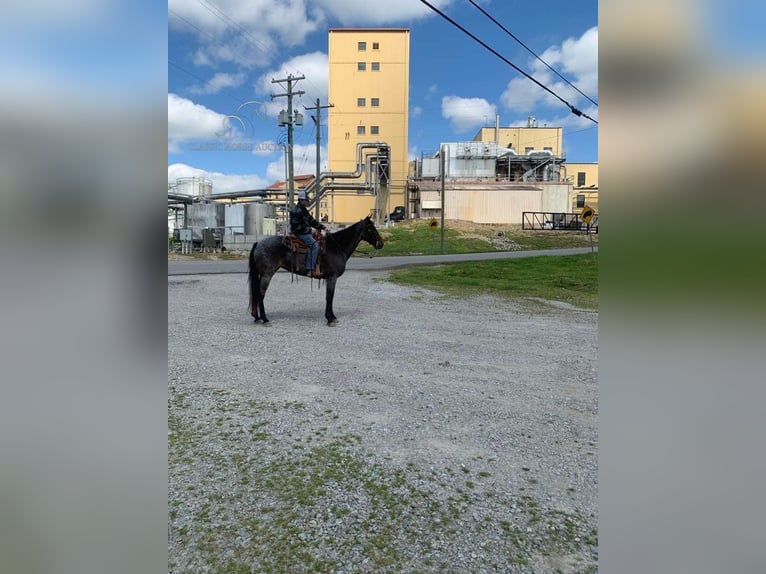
270,254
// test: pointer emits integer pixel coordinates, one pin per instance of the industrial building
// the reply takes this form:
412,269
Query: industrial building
494,178
497,176
213,222
368,85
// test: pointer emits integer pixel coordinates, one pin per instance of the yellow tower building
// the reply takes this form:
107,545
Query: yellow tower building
524,139
369,88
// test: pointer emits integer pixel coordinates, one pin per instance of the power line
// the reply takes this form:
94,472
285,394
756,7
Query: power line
507,31
185,71
573,109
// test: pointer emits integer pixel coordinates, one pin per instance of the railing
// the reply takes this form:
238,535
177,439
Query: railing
557,221
489,180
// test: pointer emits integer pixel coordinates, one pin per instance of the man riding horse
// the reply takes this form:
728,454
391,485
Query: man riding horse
302,224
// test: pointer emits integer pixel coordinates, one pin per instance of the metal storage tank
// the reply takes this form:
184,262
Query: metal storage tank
254,215
194,186
201,215
234,218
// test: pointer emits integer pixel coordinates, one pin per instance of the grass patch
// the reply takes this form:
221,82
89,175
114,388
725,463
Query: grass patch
572,279
320,502
416,238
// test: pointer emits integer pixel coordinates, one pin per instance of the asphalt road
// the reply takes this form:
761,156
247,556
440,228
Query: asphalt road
368,263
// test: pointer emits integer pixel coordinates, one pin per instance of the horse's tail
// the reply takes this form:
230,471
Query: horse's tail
254,279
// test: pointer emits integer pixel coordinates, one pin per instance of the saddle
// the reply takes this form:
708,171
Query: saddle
300,250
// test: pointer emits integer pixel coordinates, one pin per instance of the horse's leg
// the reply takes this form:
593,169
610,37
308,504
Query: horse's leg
265,280
330,294
254,279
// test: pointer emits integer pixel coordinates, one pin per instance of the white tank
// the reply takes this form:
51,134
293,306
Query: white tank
194,186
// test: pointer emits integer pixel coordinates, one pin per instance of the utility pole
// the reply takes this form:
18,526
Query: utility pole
318,122
288,120
443,170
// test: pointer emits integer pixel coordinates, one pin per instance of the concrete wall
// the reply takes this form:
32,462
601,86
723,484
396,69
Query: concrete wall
495,204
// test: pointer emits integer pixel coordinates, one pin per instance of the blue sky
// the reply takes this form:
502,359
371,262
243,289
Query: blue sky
223,54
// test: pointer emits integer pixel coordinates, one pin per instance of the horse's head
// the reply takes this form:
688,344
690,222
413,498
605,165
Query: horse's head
370,233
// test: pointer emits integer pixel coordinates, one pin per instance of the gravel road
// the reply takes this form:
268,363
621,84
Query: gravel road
423,433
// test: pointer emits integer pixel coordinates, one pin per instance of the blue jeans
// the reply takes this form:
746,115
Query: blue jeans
311,260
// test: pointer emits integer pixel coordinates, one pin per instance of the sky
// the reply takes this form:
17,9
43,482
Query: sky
223,55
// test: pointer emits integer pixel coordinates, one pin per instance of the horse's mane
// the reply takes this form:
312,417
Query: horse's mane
350,231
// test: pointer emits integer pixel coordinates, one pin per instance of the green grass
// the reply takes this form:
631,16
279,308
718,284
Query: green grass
416,238
572,279
331,504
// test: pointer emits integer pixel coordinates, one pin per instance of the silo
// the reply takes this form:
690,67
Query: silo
202,215
235,219
194,186
254,216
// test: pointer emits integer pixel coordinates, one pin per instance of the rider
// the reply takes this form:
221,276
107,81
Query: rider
301,224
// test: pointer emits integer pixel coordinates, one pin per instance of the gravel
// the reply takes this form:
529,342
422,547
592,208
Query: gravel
423,433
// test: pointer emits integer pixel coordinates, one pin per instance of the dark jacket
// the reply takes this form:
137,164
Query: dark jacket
301,221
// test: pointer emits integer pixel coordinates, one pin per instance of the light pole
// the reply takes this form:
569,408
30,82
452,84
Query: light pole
443,170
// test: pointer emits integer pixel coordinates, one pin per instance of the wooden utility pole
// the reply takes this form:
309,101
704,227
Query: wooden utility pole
289,120
318,122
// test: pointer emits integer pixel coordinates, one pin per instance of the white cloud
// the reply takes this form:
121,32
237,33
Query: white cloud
253,30
369,13
576,59
313,66
219,82
189,121
222,183
304,161
250,30
416,112
466,113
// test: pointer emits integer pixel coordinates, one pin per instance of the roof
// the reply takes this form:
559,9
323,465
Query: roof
301,181
369,29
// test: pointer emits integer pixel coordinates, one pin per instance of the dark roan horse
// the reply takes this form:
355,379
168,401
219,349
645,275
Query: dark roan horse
270,254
